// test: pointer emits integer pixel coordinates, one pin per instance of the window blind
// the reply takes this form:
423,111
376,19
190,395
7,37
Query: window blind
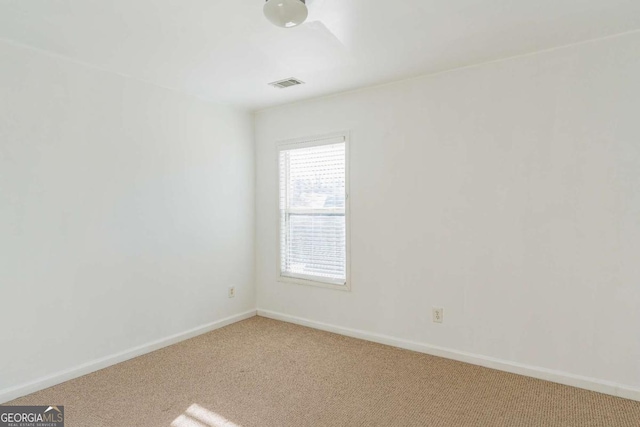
312,211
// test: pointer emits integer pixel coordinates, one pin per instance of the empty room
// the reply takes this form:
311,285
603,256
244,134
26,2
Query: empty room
290,213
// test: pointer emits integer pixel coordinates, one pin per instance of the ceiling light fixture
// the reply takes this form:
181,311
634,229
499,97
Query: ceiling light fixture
286,13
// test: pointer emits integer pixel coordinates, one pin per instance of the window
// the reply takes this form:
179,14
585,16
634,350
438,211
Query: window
313,211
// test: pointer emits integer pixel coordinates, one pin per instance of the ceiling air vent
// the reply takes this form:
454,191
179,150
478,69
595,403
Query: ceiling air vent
282,84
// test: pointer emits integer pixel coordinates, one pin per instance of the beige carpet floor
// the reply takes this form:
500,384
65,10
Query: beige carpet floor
261,372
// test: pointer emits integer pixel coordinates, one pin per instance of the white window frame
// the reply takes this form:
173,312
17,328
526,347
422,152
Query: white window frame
315,141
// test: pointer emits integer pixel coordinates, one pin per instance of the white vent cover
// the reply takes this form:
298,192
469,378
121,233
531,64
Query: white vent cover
282,84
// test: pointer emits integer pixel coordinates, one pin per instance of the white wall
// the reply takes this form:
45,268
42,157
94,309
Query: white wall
126,210
507,193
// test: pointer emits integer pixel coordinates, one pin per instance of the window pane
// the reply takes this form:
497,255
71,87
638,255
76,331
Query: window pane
316,176
317,245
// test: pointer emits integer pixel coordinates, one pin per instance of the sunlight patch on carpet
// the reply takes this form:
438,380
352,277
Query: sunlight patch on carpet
197,416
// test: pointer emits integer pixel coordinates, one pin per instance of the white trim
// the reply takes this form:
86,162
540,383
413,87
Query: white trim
587,383
300,279
11,393
315,141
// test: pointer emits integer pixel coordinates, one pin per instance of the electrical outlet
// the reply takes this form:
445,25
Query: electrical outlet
232,291
438,314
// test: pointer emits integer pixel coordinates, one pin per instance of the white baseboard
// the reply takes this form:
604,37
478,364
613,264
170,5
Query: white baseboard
560,377
95,365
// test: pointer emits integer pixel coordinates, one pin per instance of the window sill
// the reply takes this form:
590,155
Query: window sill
307,282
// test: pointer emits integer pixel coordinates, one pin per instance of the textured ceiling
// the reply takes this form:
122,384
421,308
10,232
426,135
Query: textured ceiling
227,52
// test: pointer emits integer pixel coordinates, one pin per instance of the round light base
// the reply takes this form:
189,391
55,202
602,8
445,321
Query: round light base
285,13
